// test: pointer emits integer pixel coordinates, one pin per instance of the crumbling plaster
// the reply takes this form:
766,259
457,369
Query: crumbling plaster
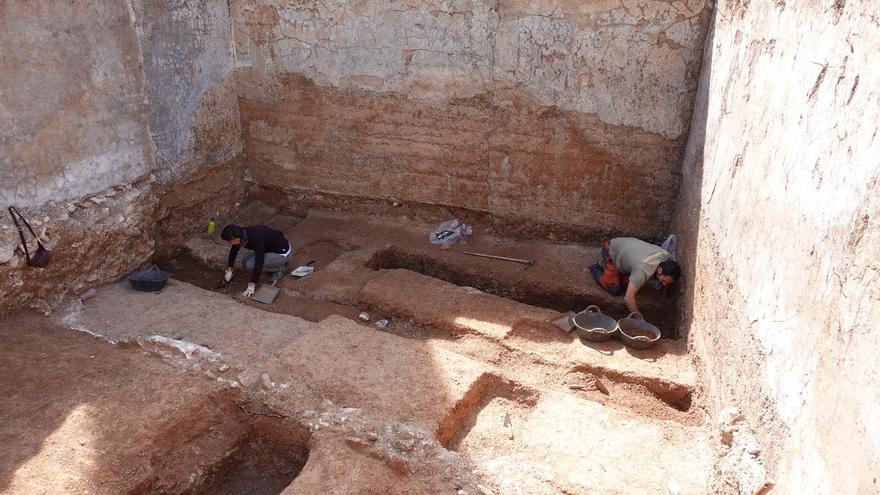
779,214
72,99
188,65
628,63
99,98
563,114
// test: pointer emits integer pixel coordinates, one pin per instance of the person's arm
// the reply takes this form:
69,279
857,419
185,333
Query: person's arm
630,298
233,253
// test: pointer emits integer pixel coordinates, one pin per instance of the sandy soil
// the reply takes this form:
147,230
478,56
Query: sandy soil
464,392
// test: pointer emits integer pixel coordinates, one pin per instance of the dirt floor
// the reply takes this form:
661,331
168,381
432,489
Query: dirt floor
195,389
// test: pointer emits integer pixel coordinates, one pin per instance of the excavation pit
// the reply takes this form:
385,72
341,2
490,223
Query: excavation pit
226,447
132,128
264,461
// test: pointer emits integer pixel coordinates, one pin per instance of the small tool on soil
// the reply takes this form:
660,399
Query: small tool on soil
303,270
564,322
502,258
266,294
272,414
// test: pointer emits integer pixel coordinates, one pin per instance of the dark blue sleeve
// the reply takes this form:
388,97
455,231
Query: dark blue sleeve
233,253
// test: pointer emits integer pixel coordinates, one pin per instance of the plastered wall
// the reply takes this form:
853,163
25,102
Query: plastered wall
781,238
558,112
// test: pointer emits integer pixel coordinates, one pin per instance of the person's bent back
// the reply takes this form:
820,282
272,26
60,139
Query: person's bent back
630,264
270,251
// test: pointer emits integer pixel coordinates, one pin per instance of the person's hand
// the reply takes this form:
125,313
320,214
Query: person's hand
228,275
250,290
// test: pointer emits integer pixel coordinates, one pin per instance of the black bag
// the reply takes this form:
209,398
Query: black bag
41,257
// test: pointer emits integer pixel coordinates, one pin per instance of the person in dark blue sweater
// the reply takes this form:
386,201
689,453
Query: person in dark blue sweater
270,251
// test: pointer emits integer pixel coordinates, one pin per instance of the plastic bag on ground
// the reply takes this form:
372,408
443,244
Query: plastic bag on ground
450,232
671,246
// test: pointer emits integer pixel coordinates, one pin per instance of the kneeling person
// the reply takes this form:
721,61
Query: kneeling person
270,251
630,264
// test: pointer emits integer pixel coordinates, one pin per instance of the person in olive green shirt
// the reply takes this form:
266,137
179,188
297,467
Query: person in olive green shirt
644,263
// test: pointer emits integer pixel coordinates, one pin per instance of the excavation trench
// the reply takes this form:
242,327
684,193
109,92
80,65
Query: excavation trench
490,391
533,295
186,268
646,396
251,454
393,258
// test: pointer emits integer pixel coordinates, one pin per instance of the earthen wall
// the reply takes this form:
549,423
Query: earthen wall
781,240
560,112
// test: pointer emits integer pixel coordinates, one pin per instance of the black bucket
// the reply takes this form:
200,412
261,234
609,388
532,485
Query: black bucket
591,324
637,333
150,280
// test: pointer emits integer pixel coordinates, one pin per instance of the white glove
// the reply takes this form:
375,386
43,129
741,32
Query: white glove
250,290
228,275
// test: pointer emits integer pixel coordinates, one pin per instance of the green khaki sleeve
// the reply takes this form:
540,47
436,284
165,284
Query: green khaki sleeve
638,277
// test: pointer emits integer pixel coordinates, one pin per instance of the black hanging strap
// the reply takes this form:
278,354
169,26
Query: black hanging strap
13,211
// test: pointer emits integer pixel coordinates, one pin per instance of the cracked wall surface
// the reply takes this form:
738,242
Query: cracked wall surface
188,66
98,100
781,238
553,112
72,100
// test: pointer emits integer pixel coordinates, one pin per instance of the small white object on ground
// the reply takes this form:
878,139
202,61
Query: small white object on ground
381,324
187,348
564,321
302,271
364,316
265,381
85,296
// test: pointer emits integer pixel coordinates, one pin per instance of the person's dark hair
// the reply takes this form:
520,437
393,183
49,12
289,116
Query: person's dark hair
231,232
671,268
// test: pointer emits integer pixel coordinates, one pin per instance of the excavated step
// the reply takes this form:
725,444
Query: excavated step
429,301
355,365
433,302
195,318
528,441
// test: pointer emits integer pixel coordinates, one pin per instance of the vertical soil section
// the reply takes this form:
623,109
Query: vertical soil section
264,462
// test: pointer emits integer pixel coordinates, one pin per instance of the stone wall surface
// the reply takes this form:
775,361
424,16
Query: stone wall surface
98,99
72,100
780,219
558,112
188,66
91,241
